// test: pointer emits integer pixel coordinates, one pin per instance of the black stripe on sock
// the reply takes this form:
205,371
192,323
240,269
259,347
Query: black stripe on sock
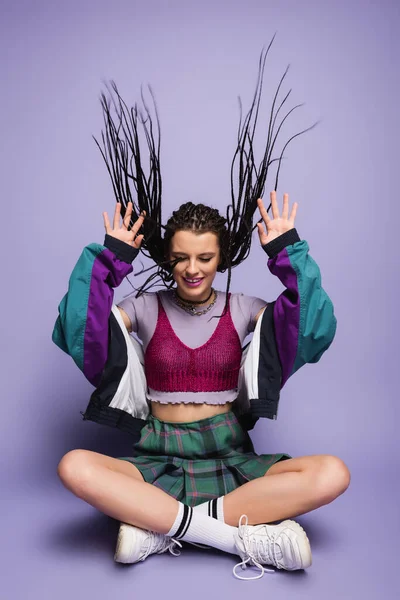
209,507
215,511
183,522
189,520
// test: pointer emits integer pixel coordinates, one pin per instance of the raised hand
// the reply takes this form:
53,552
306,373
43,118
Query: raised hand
277,225
121,232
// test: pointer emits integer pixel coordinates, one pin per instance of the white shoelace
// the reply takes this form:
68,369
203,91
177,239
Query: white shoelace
172,545
255,546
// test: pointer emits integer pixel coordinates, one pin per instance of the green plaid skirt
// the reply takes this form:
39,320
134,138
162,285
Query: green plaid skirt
201,460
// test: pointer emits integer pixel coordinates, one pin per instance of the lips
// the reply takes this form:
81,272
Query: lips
193,282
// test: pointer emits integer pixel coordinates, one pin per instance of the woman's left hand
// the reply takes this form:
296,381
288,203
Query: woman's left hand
277,225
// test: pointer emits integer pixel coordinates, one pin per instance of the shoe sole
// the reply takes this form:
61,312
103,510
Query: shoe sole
303,544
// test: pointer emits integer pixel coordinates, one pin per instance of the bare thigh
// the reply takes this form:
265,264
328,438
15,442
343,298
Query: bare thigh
315,462
88,457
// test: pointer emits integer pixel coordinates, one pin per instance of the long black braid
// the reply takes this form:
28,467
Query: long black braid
121,151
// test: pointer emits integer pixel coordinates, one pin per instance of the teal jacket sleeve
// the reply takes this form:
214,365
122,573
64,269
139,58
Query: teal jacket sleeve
82,326
303,316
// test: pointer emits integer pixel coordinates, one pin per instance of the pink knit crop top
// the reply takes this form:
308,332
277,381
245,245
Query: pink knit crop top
171,366
198,340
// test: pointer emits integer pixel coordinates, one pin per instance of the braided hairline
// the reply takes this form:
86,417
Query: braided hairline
198,218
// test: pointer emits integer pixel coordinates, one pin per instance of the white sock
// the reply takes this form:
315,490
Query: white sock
213,508
194,526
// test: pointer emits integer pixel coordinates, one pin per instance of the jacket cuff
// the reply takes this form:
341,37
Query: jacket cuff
122,250
279,243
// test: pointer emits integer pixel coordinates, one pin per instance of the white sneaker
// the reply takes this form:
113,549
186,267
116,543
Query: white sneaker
135,544
286,546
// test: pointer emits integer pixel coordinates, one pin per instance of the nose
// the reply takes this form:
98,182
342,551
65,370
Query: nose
191,270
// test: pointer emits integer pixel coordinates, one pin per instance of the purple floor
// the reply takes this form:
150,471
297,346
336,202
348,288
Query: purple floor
56,546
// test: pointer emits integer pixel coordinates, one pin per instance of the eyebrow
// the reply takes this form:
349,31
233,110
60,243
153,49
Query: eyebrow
202,254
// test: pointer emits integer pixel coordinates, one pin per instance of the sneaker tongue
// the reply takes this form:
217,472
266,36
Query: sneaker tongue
158,542
278,552
267,545
267,552
152,543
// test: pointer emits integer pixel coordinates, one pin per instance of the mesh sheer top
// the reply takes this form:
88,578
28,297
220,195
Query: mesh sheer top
174,340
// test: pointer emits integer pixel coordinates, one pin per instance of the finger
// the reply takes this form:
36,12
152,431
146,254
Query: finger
138,241
127,218
137,225
261,233
117,215
294,212
285,210
274,204
106,222
263,211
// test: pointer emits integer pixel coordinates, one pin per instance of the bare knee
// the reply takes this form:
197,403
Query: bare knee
74,470
332,478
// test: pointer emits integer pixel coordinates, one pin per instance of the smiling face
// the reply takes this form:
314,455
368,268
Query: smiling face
201,255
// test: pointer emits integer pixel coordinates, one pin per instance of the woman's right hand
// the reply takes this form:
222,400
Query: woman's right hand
121,232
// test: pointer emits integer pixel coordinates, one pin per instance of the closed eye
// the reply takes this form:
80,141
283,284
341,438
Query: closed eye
182,258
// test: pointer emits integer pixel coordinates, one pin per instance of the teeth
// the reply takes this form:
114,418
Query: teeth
193,280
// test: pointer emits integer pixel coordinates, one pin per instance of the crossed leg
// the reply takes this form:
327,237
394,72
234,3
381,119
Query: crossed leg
289,488
117,488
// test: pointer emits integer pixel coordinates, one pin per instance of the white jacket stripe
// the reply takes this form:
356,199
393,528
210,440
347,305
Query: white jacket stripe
131,393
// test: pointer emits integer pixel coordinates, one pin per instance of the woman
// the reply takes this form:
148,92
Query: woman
290,487
195,476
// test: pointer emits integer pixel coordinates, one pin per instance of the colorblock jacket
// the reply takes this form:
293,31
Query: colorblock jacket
293,330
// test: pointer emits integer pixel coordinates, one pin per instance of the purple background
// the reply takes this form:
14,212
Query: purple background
199,56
